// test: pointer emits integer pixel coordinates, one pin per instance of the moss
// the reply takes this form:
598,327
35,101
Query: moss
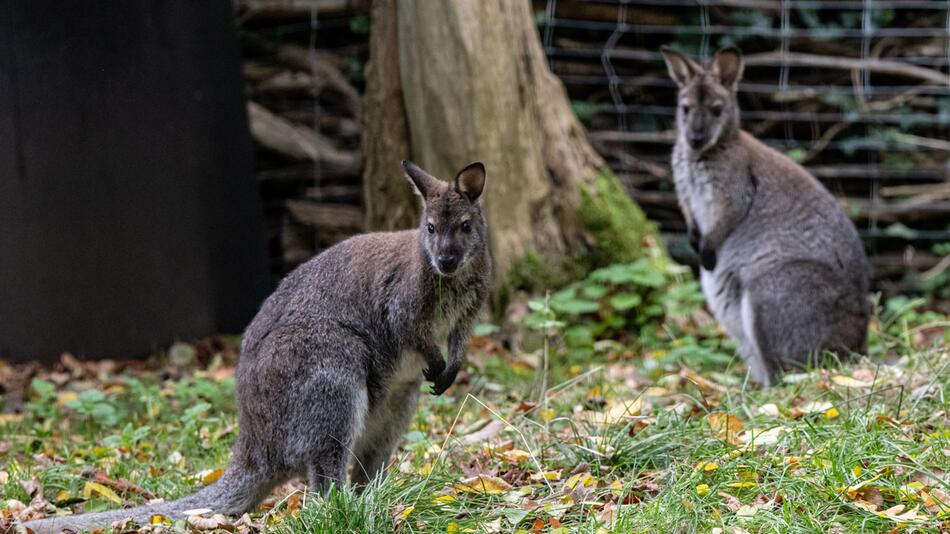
617,232
620,231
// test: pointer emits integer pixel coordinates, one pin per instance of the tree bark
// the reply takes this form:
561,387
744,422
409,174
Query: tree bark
388,201
476,86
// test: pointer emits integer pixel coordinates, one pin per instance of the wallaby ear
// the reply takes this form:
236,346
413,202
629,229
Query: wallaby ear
727,65
470,181
681,68
423,183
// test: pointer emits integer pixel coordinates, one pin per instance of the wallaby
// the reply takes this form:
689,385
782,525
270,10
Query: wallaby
782,266
331,366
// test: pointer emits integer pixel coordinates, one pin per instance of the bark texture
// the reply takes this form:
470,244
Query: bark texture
387,198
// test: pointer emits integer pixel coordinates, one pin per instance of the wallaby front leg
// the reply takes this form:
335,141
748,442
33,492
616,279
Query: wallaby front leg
435,364
458,339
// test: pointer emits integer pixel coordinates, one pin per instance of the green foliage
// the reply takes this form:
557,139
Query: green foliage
637,304
95,407
43,406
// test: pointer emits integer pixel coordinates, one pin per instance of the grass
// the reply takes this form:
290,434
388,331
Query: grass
637,439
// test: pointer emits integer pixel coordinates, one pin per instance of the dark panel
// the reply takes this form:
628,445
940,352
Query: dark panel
128,212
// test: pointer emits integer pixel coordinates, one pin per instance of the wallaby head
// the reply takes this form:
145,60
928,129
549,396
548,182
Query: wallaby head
452,228
707,110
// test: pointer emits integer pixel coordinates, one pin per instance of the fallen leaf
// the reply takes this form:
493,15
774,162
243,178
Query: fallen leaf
850,382
727,427
515,456
215,522
95,487
210,476
732,502
483,484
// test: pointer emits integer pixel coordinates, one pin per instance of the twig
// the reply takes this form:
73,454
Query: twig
884,66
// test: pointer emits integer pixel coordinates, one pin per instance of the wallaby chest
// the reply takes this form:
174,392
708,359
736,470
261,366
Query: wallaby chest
695,183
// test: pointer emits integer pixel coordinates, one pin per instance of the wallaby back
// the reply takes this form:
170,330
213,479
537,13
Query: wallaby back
783,267
331,366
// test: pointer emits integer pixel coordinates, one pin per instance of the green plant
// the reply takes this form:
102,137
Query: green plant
43,406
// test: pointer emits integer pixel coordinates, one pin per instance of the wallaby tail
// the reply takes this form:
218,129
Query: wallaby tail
234,493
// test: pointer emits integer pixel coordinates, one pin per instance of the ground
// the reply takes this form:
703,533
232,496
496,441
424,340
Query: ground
654,432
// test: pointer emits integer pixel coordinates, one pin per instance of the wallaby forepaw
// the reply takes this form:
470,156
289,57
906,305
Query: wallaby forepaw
707,258
443,382
434,370
692,233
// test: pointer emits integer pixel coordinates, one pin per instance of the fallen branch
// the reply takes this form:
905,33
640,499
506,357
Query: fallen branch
884,66
298,142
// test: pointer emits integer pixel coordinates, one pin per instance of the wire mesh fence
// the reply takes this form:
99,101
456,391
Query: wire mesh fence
857,91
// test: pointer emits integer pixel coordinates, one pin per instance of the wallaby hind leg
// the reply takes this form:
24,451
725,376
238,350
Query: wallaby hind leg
384,426
327,419
333,436
794,313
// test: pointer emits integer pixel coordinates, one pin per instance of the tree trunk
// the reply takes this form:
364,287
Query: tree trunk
388,200
476,86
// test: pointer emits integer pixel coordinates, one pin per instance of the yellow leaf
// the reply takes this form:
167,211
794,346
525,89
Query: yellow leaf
95,487
452,527
210,476
66,396
857,470
425,468
483,484
7,418
571,483
727,427
742,485
516,456
702,490
710,466
849,382
443,499
547,415
616,488
831,413
159,519
407,511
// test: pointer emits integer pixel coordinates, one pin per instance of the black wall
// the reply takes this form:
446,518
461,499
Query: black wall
128,212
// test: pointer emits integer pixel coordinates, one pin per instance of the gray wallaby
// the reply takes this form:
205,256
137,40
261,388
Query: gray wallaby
332,365
783,268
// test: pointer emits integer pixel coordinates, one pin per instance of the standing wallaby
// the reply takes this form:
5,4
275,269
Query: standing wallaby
332,365
783,268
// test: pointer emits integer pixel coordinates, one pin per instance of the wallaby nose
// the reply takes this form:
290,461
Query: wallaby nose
448,263
696,140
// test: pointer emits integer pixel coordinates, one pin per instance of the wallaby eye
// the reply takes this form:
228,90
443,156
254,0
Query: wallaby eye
431,228
466,227
716,111
685,109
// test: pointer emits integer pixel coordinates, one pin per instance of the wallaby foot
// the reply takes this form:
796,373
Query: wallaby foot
759,367
384,426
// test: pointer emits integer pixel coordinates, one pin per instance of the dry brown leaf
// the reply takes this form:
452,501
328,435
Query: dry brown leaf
198,523
727,427
731,501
